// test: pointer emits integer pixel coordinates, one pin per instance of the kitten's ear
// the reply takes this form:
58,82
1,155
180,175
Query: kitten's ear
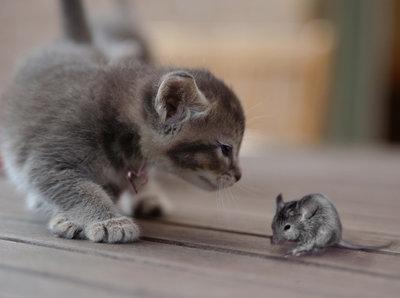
178,98
279,202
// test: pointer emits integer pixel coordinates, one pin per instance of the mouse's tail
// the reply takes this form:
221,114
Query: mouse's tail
349,245
74,21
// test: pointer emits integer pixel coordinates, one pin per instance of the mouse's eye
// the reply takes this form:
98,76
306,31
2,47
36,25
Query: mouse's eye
287,227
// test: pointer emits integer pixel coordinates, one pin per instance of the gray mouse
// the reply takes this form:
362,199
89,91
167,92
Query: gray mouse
313,223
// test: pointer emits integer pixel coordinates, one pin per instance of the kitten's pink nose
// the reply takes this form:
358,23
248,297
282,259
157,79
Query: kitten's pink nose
238,175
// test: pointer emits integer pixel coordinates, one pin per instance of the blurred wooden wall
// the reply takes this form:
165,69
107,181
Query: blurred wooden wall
275,54
393,124
358,110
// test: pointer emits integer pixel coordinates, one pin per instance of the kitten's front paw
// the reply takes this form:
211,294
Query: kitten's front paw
115,230
62,227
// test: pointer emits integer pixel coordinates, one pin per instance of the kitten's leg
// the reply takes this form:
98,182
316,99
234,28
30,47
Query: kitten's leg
82,208
36,203
150,202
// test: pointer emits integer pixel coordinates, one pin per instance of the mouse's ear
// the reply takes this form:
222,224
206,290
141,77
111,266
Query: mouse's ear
308,210
279,202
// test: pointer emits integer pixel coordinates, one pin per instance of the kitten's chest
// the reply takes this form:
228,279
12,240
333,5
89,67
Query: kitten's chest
120,147
109,175
133,175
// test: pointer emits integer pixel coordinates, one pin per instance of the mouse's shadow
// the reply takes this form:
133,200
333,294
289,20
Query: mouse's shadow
332,253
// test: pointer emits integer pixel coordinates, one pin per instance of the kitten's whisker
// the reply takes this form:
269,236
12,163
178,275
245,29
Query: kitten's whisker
251,190
254,188
245,190
220,197
223,199
218,194
258,118
234,199
247,111
245,185
226,198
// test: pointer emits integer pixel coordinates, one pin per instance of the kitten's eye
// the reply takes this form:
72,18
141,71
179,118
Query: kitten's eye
225,149
287,227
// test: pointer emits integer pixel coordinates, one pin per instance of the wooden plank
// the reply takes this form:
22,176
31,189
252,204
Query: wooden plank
239,274
243,255
15,283
112,276
385,262
364,187
248,212
255,214
363,184
133,265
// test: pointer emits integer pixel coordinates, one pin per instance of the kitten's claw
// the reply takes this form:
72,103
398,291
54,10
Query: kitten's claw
60,226
114,230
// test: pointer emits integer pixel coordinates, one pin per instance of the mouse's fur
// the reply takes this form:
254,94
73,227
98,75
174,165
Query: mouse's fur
312,222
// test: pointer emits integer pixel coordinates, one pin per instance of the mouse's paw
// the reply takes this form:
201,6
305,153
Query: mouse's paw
63,227
318,251
296,252
114,230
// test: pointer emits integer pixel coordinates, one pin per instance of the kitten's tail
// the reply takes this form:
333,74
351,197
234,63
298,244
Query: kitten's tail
349,245
74,21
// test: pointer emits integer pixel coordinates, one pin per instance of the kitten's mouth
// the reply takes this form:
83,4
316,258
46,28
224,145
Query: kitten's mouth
209,185
198,181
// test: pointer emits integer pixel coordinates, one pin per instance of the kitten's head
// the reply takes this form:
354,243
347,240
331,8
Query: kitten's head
199,124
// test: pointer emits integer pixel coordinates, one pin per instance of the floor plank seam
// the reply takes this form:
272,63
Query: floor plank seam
246,278
106,255
265,256
260,235
184,225
201,247
69,279
208,228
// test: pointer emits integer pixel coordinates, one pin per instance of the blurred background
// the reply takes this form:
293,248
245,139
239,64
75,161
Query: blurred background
307,71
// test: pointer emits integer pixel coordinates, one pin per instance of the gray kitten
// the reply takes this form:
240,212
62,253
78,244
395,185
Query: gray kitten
313,222
75,122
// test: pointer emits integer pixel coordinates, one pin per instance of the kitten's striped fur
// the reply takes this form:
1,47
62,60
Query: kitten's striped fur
74,121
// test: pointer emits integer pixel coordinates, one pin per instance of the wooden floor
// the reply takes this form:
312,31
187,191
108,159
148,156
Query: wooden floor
218,245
